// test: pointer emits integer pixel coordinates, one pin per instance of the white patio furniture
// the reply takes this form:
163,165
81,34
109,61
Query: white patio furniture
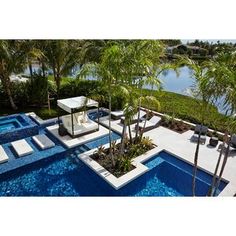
150,124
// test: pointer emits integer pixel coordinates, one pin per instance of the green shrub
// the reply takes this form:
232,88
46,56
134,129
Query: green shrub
44,113
124,163
38,90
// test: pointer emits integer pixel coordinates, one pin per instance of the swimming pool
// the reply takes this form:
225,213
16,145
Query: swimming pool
94,114
63,169
11,123
171,176
65,175
15,127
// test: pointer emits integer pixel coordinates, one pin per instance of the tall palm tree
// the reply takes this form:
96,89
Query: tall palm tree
109,71
151,103
214,178
202,91
129,111
13,59
61,56
222,71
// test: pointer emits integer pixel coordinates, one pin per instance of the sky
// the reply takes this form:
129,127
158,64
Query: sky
210,40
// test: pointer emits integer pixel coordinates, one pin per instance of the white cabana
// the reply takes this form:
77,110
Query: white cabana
71,104
77,123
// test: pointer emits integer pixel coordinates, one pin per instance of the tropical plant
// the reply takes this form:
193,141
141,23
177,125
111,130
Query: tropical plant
151,102
114,146
223,80
205,95
124,163
13,59
146,143
108,70
61,56
100,151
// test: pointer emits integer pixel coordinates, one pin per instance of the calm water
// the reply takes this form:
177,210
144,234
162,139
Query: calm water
66,176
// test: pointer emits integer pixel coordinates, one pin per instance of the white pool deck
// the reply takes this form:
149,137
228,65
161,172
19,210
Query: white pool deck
70,142
181,146
116,125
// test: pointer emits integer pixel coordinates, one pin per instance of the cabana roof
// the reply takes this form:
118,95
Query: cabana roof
70,104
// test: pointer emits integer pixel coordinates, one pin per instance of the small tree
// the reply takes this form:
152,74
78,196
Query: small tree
13,59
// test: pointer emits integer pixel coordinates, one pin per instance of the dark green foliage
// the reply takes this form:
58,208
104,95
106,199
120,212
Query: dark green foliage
38,90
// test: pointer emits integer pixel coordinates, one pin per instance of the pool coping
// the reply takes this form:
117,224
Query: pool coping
121,181
18,133
140,169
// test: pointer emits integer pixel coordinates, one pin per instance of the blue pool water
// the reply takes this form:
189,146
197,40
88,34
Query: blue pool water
66,176
170,176
16,126
94,115
11,123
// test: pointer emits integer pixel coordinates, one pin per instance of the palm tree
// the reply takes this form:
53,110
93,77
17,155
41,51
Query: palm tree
213,183
203,91
151,103
223,79
33,53
129,111
61,56
107,70
13,59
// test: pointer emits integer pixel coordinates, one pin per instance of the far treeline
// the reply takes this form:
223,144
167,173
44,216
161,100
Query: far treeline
198,49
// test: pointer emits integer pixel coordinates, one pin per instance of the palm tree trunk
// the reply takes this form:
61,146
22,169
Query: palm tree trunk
137,130
195,164
222,168
7,87
211,189
30,69
110,138
122,145
58,84
145,122
43,70
130,133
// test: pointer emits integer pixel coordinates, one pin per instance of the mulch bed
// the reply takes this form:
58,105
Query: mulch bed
107,164
177,126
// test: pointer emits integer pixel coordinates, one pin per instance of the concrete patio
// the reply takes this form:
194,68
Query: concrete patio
181,146
70,142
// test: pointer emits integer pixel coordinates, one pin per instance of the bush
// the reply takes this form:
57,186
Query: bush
20,93
38,90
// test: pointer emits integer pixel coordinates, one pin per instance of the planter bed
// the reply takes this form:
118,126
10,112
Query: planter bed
119,169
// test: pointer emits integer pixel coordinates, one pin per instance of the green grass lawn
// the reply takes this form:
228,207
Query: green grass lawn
188,109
